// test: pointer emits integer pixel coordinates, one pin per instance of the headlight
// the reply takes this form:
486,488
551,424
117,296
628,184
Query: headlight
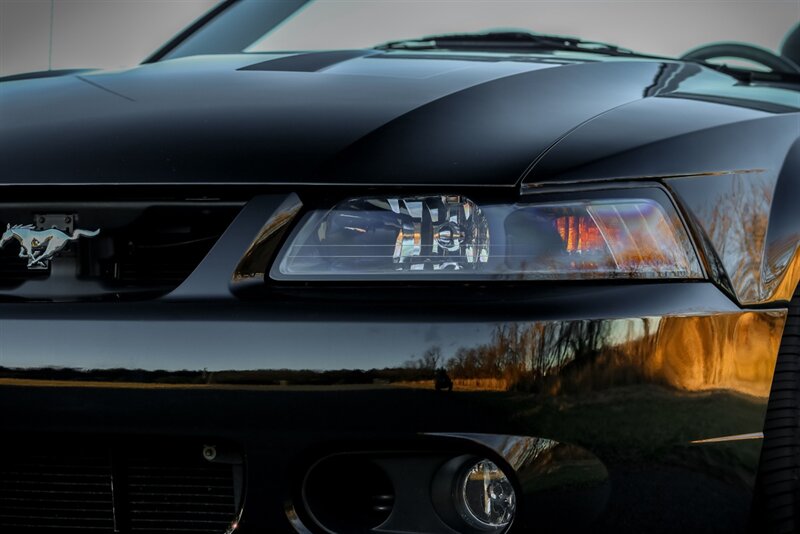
450,236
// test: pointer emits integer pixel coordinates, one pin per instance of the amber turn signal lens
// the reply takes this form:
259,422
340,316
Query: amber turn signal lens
579,234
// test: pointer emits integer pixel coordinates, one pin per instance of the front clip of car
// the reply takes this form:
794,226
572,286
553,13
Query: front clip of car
485,366
400,290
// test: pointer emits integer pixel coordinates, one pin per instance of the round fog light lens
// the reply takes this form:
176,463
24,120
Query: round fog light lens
488,495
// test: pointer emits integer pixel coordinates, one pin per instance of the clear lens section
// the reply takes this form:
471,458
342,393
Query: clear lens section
379,235
439,236
488,495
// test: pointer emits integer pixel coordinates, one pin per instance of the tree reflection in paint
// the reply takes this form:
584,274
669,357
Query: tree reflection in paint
724,351
733,211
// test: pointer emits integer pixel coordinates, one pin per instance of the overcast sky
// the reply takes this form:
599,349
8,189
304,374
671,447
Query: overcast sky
89,33
119,33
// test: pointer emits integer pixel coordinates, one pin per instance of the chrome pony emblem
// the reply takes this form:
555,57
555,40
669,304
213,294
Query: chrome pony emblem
39,246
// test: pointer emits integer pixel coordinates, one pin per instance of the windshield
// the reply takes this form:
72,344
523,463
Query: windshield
660,28
67,34
666,28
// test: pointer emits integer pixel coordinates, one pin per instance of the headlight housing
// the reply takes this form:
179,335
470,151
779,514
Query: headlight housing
435,237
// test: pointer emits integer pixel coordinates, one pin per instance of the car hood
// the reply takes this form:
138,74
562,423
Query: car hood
341,117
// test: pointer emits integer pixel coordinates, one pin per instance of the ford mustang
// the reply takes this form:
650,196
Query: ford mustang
471,283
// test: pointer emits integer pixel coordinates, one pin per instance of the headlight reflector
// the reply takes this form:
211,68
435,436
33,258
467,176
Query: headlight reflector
440,236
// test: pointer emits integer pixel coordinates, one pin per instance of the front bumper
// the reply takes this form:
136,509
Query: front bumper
664,385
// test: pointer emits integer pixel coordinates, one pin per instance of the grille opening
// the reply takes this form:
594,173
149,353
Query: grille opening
14,270
348,493
143,250
139,487
158,250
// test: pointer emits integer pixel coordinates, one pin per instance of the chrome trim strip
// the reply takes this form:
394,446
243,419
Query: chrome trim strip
735,437
532,187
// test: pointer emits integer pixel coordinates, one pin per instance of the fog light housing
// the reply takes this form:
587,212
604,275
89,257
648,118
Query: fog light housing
473,495
487,496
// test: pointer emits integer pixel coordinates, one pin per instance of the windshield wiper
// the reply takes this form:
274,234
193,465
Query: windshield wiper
749,76
508,41
522,41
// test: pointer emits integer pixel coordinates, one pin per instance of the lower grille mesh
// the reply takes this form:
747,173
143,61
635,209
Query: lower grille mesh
184,498
109,488
58,493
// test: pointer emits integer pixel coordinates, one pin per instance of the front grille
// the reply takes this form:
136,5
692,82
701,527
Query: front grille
148,486
144,249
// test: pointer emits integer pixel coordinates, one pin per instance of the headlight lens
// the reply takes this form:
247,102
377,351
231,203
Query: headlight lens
441,236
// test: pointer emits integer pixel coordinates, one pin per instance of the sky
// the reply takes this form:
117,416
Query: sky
89,33
120,33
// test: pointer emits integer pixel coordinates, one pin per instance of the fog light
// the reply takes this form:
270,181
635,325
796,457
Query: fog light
488,496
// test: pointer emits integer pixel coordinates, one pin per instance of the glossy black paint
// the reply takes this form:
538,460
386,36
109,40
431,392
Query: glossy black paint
265,376
633,141
633,374
377,118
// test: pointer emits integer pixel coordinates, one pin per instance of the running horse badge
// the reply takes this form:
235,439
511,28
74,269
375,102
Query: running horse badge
39,246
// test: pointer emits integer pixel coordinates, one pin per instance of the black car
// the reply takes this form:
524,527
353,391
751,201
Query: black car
463,283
